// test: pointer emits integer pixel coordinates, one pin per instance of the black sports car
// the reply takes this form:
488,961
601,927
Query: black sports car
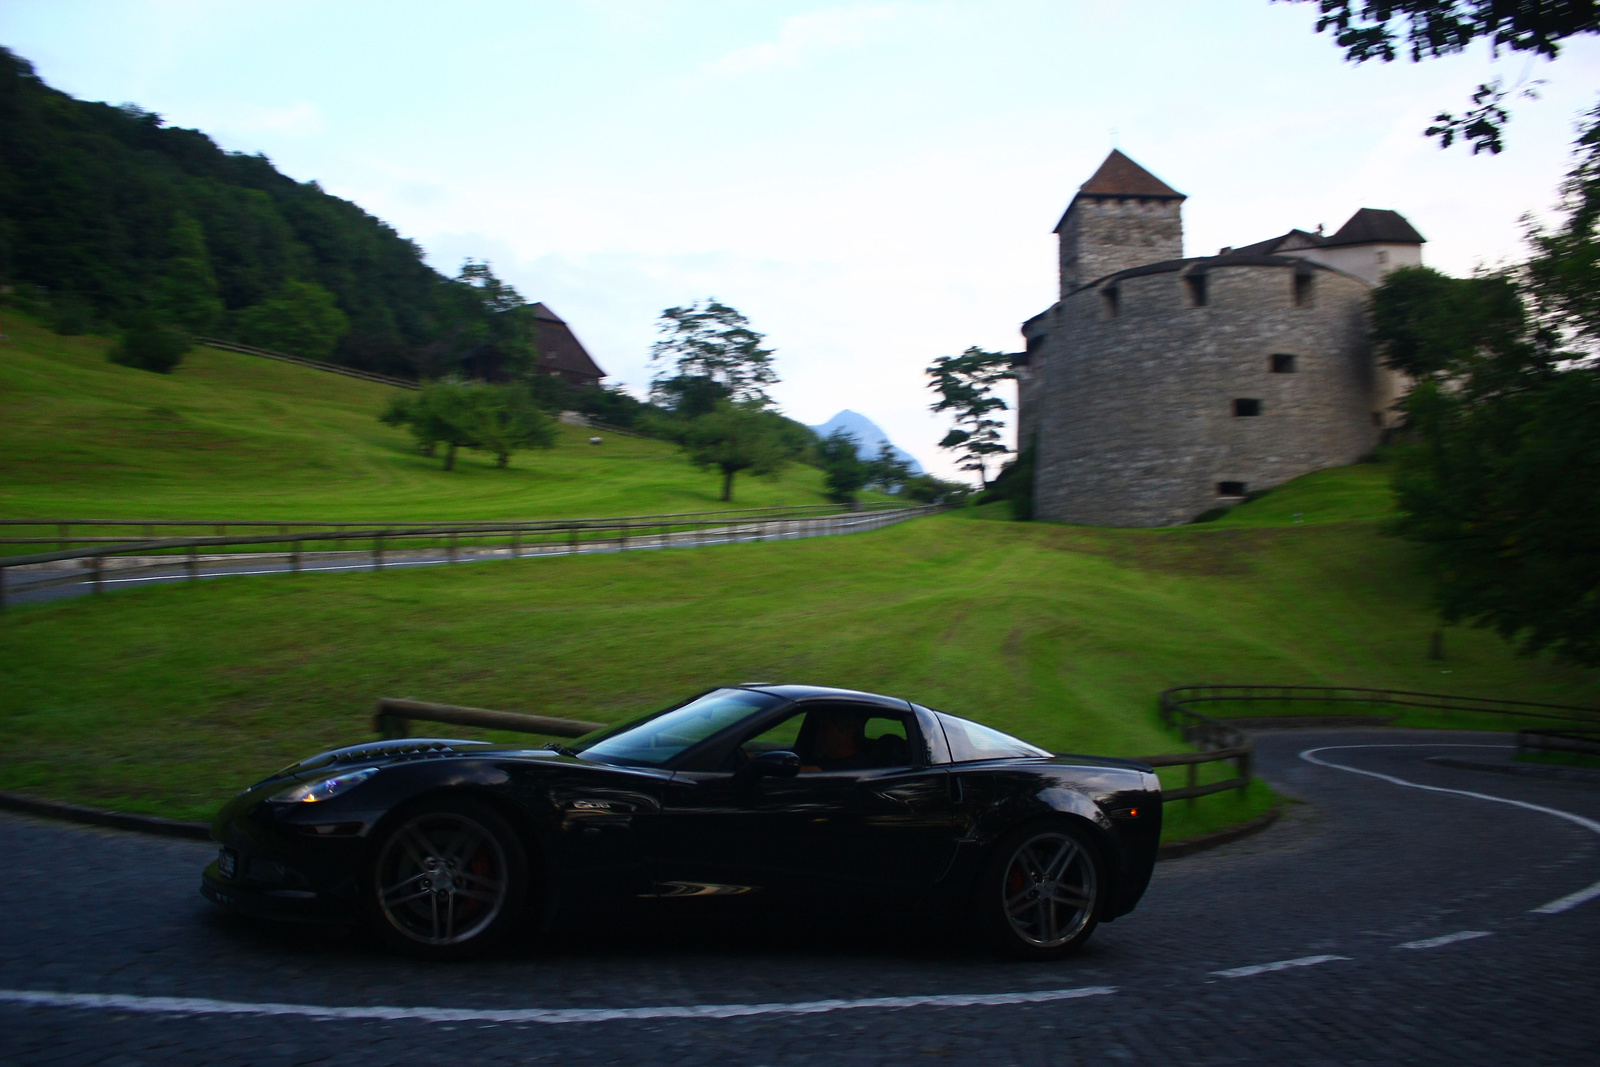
444,847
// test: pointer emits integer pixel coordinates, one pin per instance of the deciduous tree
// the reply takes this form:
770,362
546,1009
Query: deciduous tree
735,438
965,385
302,318
708,354
843,472
1428,29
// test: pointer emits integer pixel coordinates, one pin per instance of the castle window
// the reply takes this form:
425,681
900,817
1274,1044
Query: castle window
1230,489
1282,363
1383,257
1112,299
1196,284
1245,408
1303,289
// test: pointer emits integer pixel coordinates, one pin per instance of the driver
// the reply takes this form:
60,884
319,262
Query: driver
840,743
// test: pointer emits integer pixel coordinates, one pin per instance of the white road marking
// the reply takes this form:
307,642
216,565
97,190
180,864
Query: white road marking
206,1006
1280,965
1446,939
1555,907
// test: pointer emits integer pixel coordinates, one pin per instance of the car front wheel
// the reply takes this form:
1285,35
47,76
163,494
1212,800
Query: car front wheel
448,880
1040,894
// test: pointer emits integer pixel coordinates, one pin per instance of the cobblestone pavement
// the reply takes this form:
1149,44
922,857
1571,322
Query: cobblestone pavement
1355,896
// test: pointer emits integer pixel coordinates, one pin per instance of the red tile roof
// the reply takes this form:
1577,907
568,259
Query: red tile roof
1121,176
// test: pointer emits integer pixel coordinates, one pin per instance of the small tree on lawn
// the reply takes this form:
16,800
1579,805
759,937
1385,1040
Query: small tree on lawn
735,438
840,459
506,419
441,413
965,385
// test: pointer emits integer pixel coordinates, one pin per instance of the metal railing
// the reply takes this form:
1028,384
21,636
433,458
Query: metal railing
384,545
1222,740
64,537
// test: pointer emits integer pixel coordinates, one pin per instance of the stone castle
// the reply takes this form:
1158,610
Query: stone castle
1158,387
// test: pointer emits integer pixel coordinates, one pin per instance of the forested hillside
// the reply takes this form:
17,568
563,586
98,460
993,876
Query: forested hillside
106,214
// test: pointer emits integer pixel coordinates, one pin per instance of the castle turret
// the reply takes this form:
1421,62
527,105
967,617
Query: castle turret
1122,217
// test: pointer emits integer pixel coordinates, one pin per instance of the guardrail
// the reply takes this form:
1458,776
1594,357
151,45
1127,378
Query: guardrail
64,538
1221,740
514,539
1574,740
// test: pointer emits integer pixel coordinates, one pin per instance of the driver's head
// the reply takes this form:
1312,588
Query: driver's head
839,733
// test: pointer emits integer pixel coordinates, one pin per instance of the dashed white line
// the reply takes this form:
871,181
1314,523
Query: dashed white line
123,1002
1555,907
1446,939
1280,965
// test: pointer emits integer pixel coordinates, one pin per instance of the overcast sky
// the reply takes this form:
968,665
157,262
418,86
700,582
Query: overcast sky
873,185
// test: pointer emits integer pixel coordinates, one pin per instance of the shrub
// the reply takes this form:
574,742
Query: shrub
149,345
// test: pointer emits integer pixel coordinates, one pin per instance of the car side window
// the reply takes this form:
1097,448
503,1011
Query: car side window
833,737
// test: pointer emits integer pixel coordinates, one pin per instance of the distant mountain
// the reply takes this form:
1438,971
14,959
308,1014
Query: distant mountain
868,437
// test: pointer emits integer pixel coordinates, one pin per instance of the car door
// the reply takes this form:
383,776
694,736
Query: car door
886,821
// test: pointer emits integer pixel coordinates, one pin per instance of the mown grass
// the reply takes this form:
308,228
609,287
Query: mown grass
169,699
239,437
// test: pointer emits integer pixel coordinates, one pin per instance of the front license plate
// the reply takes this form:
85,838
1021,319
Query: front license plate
227,863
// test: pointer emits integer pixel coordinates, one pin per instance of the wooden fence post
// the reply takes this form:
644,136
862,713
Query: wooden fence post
294,556
377,553
95,568
192,563
516,542
452,546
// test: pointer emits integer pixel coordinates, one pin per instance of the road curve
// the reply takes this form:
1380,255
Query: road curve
1403,914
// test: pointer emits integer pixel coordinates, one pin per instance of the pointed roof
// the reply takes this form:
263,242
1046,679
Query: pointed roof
559,348
1373,225
1120,177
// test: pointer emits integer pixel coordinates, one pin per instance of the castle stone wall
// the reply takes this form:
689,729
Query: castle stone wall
1135,412
1102,235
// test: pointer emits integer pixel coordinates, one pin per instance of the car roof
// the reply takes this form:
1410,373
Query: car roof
805,693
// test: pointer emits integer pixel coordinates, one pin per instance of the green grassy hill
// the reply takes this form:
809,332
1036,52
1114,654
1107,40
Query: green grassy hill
239,437
169,699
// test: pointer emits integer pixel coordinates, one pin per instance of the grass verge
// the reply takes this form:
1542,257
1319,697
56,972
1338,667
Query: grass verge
167,700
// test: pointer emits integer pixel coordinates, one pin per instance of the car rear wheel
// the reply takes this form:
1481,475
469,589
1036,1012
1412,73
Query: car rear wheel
1041,892
448,880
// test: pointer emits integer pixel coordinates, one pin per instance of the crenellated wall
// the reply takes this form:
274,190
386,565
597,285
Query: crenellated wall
1134,409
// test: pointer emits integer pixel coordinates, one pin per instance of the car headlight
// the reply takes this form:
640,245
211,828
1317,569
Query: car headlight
323,788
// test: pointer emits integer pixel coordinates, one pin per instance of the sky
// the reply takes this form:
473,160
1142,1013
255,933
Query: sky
873,185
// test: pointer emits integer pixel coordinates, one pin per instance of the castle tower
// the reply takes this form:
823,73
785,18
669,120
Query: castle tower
1122,217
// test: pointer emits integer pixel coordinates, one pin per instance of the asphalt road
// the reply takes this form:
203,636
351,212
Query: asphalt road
1378,923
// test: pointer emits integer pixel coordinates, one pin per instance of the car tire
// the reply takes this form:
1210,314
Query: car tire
1041,893
447,879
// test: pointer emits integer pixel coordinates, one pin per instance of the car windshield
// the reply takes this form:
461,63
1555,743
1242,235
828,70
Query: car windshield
971,741
657,739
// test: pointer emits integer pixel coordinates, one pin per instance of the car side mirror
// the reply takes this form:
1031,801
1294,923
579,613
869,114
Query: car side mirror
769,765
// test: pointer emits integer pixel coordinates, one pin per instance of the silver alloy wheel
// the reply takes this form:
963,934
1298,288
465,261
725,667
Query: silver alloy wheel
1048,889
442,879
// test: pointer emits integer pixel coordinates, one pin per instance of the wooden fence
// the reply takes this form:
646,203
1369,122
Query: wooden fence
351,372
383,545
